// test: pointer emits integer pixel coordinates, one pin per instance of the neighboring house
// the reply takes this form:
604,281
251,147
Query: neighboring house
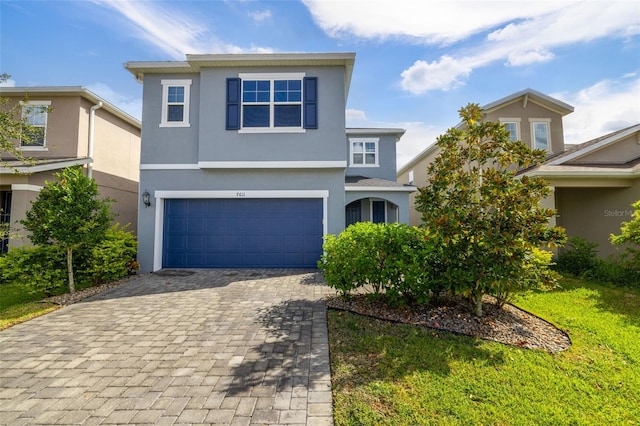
73,127
247,162
593,184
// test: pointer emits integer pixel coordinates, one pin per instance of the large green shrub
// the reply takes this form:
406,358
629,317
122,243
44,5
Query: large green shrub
487,218
112,258
394,260
42,270
630,238
578,257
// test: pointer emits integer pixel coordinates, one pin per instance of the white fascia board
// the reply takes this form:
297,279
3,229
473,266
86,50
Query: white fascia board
272,164
26,187
380,189
242,193
45,167
595,147
169,167
579,174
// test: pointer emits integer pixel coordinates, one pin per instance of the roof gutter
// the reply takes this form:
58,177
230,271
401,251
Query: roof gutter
92,113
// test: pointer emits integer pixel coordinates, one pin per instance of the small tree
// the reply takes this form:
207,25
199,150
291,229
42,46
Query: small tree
68,213
630,234
487,219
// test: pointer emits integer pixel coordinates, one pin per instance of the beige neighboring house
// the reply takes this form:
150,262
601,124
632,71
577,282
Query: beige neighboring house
593,184
77,128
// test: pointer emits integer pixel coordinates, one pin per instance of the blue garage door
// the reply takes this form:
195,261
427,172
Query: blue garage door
250,233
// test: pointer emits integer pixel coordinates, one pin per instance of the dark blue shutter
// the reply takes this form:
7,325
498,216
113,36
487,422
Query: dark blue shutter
233,103
311,102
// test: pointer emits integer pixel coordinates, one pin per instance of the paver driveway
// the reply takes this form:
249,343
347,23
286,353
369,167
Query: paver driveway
176,347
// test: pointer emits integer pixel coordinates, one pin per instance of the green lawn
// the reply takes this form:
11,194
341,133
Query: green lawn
395,374
17,305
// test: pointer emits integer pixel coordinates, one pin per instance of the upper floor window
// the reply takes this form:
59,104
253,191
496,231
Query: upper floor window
34,114
410,177
540,136
364,152
285,102
512,125
175,103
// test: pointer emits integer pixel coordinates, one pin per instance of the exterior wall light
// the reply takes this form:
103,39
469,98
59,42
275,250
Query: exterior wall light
146,198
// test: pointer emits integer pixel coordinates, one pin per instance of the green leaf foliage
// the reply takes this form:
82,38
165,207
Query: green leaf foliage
487,219
68,213
41,270
114,257
630,236
394,260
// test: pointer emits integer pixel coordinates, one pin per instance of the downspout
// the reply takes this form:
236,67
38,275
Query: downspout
92,113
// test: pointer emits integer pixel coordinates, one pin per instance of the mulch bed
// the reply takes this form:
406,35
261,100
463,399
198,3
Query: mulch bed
80,295
509,325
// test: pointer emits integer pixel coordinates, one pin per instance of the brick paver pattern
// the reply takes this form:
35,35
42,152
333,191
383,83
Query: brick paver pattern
216,346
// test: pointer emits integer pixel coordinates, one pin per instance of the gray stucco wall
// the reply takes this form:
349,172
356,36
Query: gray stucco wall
322,144
235,180
168,145
386,158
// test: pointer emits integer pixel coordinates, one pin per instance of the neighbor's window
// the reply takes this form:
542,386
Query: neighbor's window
34,113
540,134
175,103
272,101
512,125
364,152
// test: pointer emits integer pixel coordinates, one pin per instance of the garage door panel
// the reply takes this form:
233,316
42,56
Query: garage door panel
242,232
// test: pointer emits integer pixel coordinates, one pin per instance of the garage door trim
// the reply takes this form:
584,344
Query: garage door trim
162,195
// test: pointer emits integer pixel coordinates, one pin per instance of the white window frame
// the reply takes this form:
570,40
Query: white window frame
512,120
353,141
547,122
26,105
410,177
271,77
186,84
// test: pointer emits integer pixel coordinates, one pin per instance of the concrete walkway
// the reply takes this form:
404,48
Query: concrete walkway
176,347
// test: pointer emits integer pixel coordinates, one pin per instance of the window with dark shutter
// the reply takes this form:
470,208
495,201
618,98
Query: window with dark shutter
311,102
233,103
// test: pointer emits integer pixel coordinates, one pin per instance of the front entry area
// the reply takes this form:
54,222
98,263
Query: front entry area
242,233
371,210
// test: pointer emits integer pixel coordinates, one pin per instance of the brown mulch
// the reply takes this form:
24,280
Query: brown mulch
509,325
80,295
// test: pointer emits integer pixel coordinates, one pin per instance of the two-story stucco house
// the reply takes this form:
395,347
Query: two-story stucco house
73,126
247,162
593,184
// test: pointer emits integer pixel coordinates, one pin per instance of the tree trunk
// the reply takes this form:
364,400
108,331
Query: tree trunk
476,301
72,287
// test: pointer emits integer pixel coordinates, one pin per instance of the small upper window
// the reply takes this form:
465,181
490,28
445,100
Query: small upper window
512,126
364,152
35,114
410,177
540,136
175,103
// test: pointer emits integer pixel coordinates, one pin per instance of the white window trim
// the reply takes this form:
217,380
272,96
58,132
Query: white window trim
165,102
352,141
514,120
161,195
410,177
271,77
44,146
532,123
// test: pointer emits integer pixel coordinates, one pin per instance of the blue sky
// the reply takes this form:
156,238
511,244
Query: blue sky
417,62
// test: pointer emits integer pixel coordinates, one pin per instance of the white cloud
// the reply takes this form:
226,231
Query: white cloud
170,30
129,104
430,21
445,74
604,107
518,32
8,83
354,117
260,15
